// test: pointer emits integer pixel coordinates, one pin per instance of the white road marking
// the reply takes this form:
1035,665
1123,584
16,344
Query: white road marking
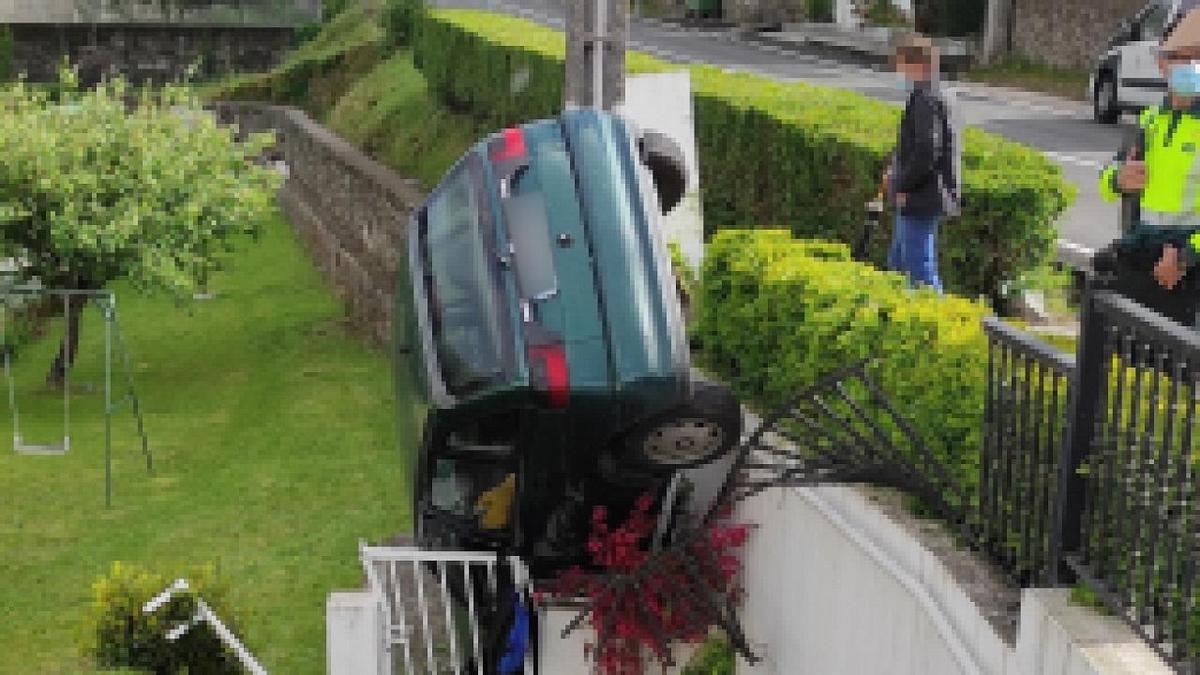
1071,159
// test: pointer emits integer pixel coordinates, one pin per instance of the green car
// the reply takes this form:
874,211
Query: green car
539,312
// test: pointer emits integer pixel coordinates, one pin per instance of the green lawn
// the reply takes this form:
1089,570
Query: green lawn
273,436
1025,74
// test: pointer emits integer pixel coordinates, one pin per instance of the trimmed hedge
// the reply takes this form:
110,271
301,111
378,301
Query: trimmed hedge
771,152
777,314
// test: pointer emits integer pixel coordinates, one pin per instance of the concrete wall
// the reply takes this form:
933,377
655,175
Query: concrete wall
216,12
836,585
764,11
1067,33
349,210
140,52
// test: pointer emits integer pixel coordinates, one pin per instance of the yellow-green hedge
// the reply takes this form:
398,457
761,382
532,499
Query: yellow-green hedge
770,152
777,313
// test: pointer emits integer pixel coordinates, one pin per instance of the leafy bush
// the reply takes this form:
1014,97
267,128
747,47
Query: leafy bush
823,142
90,192
119,634
7,66
819,10
884,13
715,657
401,21
778,313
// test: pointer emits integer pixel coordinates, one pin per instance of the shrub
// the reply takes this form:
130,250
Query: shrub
715,657
401,21
7,65
91,193
823,142
884,13
119,634
778,313
819,10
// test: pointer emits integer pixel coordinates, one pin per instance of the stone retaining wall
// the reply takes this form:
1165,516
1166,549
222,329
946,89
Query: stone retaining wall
1068,33
159,53
349,210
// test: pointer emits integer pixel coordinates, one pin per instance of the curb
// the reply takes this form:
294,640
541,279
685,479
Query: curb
1074,256
870,57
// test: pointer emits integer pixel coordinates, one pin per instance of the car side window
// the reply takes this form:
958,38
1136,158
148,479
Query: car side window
1154,23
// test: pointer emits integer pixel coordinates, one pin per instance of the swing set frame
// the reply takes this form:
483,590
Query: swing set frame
12,297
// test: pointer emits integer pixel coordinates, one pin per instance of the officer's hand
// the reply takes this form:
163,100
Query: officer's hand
1168,271
1131,177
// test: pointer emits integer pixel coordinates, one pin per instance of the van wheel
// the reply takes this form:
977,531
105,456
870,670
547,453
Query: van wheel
695,433
1105,106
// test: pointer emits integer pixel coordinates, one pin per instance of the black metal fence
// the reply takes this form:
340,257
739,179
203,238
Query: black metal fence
1088,471
1024,419
1130,505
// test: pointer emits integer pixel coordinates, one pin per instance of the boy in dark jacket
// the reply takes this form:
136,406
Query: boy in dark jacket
922,176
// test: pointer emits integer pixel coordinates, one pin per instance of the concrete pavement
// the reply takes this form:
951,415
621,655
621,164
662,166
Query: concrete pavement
1062,129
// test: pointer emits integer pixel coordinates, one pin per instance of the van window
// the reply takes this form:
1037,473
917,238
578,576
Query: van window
463,292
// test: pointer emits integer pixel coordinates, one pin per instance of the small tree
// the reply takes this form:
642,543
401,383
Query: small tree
93,189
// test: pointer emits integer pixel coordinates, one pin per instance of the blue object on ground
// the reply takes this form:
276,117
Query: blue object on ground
518,639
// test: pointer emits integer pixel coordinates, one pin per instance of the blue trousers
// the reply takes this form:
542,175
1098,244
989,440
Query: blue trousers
914,250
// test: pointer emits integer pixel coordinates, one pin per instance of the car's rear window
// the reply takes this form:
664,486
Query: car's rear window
457,244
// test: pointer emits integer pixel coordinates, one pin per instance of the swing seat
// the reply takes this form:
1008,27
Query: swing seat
23,448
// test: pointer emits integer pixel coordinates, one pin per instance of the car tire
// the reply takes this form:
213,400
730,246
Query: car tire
700,430
1106,108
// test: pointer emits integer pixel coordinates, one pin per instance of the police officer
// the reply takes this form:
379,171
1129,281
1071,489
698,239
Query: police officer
1155,261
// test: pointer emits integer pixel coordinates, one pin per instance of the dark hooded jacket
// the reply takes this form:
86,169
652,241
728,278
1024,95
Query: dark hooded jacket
926,157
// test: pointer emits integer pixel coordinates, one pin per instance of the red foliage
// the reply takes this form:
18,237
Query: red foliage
644,601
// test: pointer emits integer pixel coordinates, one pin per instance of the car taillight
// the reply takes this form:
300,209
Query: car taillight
509,147
548,372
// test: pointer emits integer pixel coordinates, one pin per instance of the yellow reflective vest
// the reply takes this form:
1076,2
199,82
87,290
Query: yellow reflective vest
1171,197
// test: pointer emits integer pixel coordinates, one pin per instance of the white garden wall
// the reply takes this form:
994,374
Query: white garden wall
835,586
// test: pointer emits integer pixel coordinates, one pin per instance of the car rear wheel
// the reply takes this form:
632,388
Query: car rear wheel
1105,106
692,434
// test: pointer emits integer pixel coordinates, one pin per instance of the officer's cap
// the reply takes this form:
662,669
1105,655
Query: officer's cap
1185,34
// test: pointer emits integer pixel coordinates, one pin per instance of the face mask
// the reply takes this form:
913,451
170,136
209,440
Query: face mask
903,83
1184,79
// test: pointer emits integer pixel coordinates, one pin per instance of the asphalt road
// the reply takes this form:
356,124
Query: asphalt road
1064,130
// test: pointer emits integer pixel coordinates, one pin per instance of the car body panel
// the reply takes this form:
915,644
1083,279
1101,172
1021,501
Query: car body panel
479,304
1131,56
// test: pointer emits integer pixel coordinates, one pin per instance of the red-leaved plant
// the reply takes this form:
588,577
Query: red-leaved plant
643,601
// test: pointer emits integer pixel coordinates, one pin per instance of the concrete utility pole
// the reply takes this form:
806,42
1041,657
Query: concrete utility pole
597,31
997,29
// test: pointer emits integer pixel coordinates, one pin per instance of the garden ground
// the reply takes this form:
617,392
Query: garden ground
274,442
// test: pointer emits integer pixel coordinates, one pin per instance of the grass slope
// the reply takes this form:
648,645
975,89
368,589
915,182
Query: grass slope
391,115
274,444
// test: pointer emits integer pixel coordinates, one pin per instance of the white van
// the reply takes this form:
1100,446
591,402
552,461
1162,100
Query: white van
1126,77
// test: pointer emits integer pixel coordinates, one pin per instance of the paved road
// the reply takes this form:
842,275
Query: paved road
1064,130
